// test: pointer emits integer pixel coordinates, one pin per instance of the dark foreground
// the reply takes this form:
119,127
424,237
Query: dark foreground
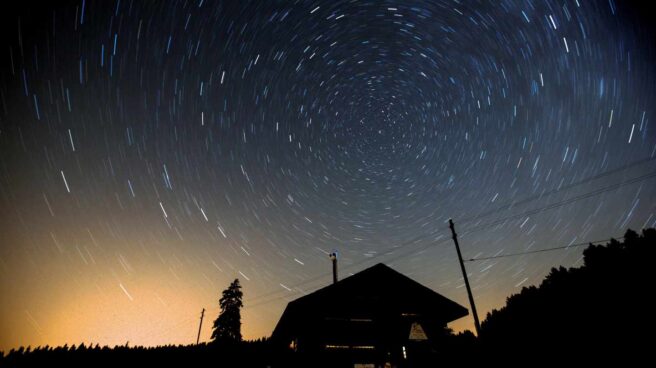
597,313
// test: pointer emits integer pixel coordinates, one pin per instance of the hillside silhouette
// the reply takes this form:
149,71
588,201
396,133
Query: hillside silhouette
243,354
599,311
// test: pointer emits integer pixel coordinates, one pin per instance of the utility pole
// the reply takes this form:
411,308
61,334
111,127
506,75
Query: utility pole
202,314
464,275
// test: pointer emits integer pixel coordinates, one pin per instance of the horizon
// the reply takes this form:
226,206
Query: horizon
151,153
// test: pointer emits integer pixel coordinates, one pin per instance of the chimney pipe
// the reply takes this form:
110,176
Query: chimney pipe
333,257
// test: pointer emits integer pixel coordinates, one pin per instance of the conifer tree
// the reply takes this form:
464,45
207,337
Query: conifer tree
227,326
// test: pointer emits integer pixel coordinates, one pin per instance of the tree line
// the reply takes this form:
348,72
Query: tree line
596,312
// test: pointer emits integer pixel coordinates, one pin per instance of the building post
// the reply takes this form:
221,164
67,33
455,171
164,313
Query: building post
477,324
333,257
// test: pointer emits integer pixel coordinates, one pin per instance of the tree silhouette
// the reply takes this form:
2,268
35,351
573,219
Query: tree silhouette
227,326
599,312
599,304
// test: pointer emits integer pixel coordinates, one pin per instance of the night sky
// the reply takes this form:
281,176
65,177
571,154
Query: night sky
152,152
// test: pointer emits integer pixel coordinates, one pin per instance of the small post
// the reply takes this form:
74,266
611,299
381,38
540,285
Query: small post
333,257
202,314
477,324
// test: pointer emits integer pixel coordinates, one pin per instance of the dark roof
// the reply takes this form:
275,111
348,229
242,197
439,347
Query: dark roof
374,291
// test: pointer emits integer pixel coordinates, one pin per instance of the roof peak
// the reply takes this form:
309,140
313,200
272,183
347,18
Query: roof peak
377,266
376,290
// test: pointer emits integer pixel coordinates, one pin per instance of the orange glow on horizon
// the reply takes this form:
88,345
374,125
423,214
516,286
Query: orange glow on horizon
102,313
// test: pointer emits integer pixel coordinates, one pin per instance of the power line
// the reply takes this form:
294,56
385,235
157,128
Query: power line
541,250
488,213
350,266
567,201
476,228
248,304
396,257
469,231
557,190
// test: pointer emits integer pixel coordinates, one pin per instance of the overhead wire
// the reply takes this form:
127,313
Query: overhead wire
475,228
541,250
297,287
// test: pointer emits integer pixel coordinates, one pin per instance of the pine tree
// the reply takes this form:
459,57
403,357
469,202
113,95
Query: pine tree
227,326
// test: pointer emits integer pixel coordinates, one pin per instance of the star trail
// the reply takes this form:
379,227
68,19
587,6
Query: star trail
152,152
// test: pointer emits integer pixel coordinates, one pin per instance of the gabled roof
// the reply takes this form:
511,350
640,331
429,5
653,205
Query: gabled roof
378,290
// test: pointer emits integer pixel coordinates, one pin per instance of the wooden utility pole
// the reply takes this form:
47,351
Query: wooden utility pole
464,275
202,314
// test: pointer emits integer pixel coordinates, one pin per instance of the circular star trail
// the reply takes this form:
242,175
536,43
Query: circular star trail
152,152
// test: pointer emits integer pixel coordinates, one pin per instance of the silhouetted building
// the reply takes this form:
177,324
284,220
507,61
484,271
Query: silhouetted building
374,317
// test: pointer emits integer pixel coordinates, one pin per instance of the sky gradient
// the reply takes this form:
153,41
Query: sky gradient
152,152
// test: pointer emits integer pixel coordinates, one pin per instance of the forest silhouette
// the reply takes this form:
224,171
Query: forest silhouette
600,311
